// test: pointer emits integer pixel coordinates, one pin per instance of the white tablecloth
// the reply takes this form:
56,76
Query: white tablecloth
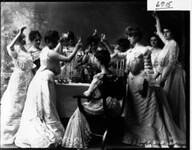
66,104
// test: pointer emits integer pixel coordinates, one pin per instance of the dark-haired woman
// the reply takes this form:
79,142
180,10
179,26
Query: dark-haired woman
13,99
155,49
78,134
35,39
171,75
40,124
148,121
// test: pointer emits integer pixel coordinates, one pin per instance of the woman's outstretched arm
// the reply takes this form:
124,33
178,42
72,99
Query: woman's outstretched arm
106,43
158,28
55,55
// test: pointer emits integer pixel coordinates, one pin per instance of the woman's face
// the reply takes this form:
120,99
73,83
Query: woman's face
37,41
132,39
167,34
153,41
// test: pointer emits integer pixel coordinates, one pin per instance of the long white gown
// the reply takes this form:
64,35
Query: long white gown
13,99
40,123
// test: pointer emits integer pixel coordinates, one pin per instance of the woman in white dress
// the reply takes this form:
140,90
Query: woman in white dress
171,76
154,48
13,99
40,123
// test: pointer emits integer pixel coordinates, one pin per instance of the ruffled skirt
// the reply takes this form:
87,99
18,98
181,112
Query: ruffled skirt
78,133
148,120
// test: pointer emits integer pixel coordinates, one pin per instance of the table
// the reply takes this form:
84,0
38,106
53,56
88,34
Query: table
66,104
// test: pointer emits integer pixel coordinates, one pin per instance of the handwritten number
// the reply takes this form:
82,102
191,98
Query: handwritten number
157,5
162,4
168,4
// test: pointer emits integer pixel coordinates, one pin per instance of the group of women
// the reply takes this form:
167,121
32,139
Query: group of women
155,104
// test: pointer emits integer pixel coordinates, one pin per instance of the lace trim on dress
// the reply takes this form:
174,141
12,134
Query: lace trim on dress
154,143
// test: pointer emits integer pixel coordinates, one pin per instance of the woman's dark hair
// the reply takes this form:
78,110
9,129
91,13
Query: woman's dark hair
159,43
33,34
103,57
134,31
71,38
51,36
94,39
71,35
153,35
124,43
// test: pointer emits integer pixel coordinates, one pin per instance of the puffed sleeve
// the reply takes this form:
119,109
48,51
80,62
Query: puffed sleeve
119,55
94,84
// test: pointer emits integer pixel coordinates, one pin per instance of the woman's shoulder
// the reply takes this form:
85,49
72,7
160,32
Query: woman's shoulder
144,49
44,52
172,42
17,48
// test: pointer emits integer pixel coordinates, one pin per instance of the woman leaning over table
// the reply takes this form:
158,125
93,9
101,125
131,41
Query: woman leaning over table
148,121
40,123
13,99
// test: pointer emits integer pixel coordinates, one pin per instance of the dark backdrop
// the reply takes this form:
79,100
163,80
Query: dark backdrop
111,18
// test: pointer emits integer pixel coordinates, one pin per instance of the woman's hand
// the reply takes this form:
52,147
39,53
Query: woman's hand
22,29
154,15
95,32
79,43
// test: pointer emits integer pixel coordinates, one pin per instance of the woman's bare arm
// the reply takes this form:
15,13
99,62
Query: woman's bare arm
55,55
10,47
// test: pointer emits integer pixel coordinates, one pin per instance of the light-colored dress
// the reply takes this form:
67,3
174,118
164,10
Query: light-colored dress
174,86
78,134
13,99
40,123
154,56
148,120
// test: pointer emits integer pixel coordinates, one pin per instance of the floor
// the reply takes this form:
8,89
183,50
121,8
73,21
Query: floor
113,141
